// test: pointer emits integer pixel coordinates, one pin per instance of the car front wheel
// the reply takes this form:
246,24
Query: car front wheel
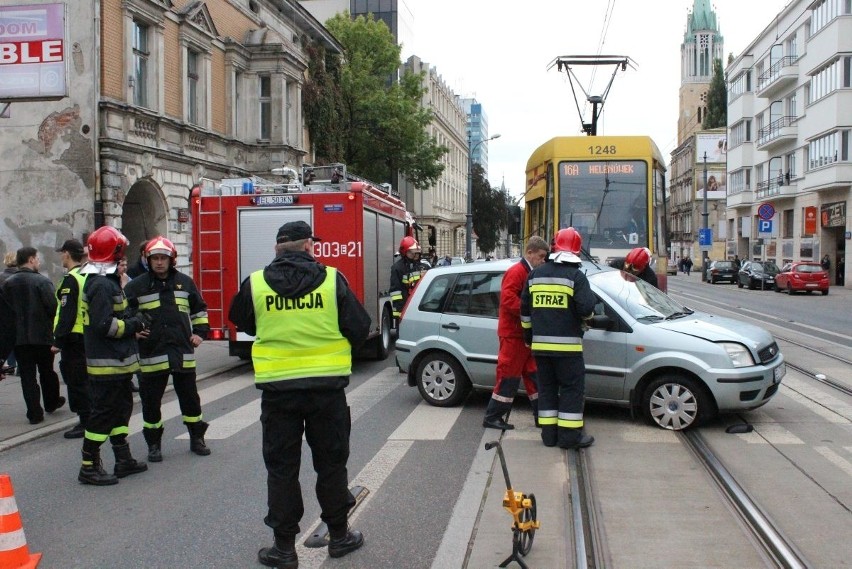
441,380
676,403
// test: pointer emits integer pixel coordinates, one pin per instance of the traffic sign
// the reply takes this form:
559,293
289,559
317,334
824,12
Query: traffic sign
705,236
764,226
766,211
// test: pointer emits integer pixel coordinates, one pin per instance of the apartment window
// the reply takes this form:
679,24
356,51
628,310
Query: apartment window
192,85
740,133
265,101
139,79
787,224
828,149
829,78
740,85
791,173
826,11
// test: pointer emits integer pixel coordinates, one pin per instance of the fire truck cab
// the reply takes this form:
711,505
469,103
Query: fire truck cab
235,221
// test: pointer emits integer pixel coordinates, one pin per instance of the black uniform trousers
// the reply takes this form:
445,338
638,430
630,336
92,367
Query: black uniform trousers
112,406
323,416
152,386
561,389
72,365
32,357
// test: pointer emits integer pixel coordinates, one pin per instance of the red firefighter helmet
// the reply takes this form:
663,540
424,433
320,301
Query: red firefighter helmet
638,258
159,245
568,241
106,245
407,244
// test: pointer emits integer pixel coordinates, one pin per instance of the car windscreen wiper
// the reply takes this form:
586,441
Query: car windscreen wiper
679,314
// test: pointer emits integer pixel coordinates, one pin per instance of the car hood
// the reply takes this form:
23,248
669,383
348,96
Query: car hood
718,329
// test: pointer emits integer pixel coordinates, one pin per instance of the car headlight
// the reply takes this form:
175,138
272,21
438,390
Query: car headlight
739,354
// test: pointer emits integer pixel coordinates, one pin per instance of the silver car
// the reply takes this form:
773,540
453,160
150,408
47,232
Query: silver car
676,366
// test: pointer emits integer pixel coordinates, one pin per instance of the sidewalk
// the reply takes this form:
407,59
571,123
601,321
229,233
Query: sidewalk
15,429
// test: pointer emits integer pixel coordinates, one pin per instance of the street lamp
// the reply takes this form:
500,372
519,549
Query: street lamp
468,228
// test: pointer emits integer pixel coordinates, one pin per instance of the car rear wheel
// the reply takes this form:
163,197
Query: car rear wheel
676,403
789,289
740,283
381,345
441,380
776,287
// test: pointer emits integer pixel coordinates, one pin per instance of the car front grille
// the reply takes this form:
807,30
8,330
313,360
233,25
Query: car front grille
770,392
769,353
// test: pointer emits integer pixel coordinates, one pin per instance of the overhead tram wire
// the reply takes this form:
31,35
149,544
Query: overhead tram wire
604,29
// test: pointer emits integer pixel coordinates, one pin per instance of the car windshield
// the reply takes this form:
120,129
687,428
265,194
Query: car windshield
768,267
640,299
809,269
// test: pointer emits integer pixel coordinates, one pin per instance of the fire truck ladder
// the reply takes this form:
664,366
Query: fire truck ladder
210,274
564,62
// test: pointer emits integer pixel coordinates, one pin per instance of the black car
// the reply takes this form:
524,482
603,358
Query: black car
757,274
722,271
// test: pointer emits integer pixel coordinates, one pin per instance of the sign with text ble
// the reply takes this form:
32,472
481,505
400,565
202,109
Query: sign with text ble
32,52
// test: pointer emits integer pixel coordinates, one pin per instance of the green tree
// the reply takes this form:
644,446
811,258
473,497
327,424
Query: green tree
490,213
717,99
376,124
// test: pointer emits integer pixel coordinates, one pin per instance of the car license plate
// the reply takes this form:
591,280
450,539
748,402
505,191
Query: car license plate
779,372
770,281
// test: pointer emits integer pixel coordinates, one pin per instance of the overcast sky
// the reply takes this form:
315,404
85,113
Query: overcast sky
499,51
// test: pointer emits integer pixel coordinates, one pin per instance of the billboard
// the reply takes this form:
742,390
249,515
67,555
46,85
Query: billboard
715,145
32,52
717,183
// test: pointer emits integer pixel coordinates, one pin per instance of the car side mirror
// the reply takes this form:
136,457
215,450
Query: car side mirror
601,322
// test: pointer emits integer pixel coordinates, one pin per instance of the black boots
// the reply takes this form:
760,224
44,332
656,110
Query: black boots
92,471
125,464
344,541
282,555
153,438
196,437
494,414
77,431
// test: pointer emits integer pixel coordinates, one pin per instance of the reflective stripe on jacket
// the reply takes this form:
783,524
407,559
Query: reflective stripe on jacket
63,291
298,337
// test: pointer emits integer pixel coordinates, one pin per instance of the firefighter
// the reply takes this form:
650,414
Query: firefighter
178,325
405,273
111,359
554,306
68,335
306,322
637,263
514,358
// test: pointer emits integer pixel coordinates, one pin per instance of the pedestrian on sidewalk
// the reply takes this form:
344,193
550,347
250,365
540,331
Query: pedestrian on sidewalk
140,267
10,262
554,307
306,322
178,317
109,334
68,336
687,265
32,298
514,358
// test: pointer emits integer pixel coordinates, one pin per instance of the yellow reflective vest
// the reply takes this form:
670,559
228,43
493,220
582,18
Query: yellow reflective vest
78,320
298,337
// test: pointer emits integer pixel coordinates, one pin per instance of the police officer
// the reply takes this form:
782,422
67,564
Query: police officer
306,322
514,358
111,359
637,263
554,305
178,325
68,335
405,273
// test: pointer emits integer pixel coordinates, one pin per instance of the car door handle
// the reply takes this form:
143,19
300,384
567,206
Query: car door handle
451,326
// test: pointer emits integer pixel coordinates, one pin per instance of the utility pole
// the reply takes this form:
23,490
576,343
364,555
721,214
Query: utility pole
704,223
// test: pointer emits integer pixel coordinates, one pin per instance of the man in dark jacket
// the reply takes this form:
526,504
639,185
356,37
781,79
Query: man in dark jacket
178,325
306,322
637,263
554,306
68,335
405,273
32,298
140,267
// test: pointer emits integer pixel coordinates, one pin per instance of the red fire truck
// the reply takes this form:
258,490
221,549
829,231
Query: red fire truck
234,223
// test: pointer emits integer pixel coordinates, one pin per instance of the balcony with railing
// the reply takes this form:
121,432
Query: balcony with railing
777,132
780,187
781,74
742,197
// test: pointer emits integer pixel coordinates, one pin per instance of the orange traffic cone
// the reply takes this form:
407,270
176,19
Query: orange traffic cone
14,553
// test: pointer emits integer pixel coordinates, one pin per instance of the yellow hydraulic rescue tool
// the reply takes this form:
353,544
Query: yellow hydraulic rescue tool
523,511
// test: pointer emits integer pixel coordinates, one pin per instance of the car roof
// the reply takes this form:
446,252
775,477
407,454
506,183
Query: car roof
501,265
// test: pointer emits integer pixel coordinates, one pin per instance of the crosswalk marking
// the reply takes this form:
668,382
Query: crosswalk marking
823,404
835,459
771,433
427,423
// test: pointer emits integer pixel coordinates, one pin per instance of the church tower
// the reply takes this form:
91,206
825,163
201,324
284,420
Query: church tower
702,44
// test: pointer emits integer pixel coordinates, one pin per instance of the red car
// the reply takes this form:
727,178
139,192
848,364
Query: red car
802,276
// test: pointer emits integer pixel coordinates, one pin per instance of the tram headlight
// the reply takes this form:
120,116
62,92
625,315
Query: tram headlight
739,354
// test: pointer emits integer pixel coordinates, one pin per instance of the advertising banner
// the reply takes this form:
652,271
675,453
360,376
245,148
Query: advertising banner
833,214
810,220
32,52
717,184
715,145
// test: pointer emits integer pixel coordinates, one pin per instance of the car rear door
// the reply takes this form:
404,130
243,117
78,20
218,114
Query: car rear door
468,326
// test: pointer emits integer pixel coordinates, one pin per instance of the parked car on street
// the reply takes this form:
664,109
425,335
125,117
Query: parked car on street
671,268
721,271
802,276
693,364
757,274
